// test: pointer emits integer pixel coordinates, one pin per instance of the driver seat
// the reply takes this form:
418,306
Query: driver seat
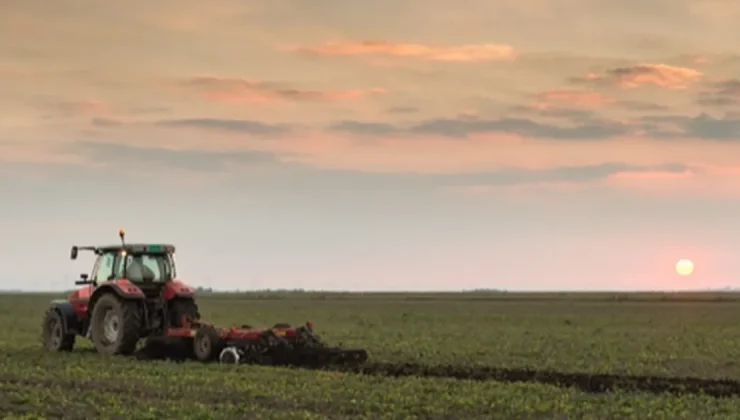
137,272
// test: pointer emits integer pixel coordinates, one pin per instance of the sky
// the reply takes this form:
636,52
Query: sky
384,145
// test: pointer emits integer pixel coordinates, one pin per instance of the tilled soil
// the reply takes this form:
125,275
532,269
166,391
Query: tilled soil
587,382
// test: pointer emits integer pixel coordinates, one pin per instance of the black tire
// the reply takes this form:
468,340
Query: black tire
54,334
207,344
180,307
128,320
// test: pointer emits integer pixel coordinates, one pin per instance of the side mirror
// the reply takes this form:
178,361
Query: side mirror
84,276
73,253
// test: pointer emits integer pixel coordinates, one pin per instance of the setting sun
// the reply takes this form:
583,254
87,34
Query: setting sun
684,267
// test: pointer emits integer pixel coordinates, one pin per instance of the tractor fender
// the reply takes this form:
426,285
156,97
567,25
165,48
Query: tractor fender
177,289
67,311
121,288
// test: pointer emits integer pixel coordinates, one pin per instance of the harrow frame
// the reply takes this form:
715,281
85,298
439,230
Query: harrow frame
280,345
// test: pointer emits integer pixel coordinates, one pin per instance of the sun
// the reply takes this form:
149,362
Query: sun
684,267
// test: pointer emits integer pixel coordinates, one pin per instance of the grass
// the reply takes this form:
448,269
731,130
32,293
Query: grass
651,335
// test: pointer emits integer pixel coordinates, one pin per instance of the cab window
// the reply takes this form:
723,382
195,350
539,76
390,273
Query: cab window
152,263
146,267
103,268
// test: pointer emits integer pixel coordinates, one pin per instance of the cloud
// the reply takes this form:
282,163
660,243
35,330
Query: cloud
575,97
578,104
706,126
76,107
402,110
105,122
451,53
698,180
662,75
674,179
301,176
191,16
580,125
234,125
463,127
522,127
155,158
722,93
360,127
235,90
651,175
21,152
702,126
570,173
515,176
641,106
563,177
550,111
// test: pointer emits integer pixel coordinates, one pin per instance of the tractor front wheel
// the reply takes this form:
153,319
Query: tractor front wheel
54,334
116,325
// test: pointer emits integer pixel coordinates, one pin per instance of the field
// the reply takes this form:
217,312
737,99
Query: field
433,356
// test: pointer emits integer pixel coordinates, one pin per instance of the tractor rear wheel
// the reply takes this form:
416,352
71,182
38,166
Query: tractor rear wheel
54,334
207,344
116,325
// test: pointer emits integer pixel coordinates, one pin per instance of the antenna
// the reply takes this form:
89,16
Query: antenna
122,234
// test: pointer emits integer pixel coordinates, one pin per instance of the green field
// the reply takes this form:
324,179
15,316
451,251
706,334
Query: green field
662,336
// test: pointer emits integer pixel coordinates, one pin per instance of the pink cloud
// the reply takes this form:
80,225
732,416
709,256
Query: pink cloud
432,153
192,16
700,181
90,106
713,166
650,175
527,189
455,53
574,97
35,153
235,90
80,107
662,75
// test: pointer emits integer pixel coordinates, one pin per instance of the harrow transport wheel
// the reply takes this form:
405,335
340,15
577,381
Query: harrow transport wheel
54,334
207,344
115,325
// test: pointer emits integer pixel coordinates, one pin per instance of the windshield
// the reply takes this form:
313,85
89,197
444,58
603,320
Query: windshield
148,268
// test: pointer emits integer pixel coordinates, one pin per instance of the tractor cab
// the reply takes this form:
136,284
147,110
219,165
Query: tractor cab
148,266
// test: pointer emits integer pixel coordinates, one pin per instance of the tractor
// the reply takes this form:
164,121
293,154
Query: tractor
133,293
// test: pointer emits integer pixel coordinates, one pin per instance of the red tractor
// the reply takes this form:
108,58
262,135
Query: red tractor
133,294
